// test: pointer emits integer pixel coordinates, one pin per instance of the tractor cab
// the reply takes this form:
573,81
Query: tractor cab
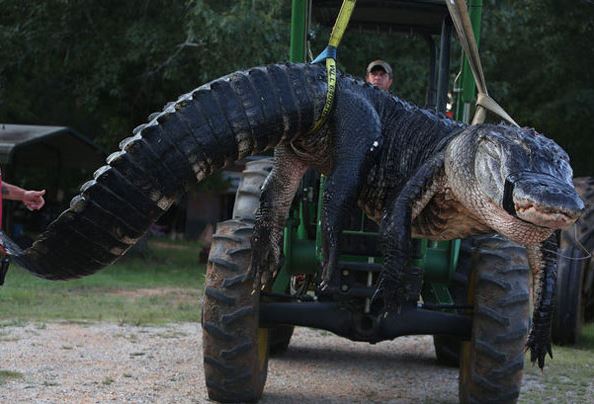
425,20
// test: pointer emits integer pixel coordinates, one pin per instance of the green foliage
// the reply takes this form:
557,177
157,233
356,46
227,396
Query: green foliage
5,375
538,62
102,67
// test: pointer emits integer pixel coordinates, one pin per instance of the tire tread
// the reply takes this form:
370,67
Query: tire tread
491,370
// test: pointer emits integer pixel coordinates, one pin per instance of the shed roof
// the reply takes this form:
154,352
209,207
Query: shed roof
39,144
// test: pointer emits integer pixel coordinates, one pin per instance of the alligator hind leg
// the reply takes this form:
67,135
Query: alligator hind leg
355,146
277,195
401,283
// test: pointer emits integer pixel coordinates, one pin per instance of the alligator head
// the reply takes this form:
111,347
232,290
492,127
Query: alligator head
518,181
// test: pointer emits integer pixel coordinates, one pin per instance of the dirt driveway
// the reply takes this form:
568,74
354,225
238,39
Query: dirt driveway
65,362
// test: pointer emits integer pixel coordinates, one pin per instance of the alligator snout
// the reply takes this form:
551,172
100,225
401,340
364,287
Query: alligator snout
543,200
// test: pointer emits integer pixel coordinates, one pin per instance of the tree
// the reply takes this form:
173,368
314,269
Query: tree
101,67
538,57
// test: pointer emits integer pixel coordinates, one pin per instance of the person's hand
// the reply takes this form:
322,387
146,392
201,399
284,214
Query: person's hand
33,200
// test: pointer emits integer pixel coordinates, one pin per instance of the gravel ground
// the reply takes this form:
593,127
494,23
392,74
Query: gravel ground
66,362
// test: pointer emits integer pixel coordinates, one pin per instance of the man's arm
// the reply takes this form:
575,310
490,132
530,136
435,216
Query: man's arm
33,200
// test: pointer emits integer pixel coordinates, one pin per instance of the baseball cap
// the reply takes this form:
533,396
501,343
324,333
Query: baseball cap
381,64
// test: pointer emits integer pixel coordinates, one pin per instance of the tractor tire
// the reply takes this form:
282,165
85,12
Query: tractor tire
447,348
279,339
574,297
247,198
247,202
492,362
235,348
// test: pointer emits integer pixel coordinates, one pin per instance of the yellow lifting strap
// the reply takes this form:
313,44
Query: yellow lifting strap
329,55
461,19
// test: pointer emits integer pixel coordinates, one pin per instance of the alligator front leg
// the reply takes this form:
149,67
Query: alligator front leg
400,283
543,262
275,202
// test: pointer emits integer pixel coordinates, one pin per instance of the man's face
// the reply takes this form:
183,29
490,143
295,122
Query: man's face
379,78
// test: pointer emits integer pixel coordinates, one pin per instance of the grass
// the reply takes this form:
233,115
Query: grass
165,286
5,375
567,378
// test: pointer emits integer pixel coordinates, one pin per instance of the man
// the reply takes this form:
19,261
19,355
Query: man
379,73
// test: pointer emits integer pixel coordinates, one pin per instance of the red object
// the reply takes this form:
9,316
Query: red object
0,199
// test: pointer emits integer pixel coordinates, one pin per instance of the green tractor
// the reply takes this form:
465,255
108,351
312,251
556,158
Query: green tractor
470,295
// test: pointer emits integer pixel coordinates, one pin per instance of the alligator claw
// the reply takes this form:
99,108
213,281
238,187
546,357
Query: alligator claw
538,351
401,291
327,271
393,299
263,268
550,350
260,277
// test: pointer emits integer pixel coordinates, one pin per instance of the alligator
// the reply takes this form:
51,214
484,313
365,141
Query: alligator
416,172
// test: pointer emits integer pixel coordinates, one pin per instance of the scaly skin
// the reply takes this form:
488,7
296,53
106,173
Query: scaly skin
415,172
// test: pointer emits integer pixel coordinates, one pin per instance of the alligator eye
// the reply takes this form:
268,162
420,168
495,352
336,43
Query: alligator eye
490,148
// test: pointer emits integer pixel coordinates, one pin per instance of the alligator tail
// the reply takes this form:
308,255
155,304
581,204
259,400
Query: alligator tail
244,113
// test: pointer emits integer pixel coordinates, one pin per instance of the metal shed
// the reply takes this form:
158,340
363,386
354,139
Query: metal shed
47,145
56,158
